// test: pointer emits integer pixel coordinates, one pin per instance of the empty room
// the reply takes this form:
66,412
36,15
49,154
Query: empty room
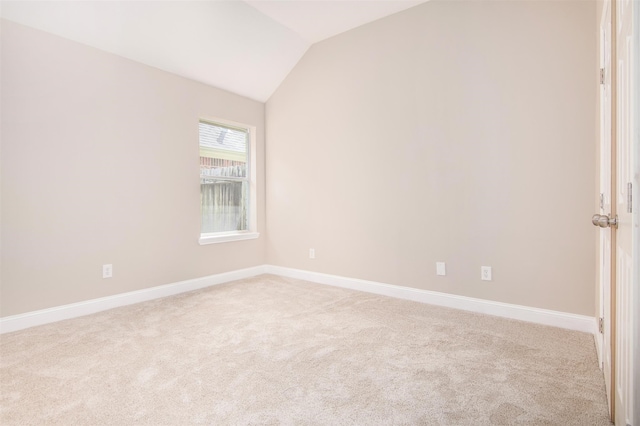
319,212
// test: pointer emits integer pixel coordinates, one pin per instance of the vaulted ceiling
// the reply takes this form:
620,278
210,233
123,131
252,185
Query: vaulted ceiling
246,47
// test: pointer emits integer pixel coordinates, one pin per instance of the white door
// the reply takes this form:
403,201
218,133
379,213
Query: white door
626,82
635,241
605,336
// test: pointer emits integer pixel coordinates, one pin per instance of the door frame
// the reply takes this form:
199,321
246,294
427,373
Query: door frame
614,204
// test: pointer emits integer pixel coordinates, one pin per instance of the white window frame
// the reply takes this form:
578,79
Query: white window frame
252,225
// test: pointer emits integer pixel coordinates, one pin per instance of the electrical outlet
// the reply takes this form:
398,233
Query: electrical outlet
440,268
312,253
107,271
485,273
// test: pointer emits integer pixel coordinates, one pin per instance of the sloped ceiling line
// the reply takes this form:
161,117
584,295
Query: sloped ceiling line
245,47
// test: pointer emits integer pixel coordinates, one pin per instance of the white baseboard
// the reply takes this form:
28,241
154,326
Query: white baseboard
59,313
523,313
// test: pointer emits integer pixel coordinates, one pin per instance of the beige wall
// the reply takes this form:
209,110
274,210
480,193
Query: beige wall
100,165
454,131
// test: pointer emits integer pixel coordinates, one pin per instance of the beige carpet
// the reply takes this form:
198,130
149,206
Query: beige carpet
271,350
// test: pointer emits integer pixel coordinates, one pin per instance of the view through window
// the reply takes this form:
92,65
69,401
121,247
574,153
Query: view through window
224,178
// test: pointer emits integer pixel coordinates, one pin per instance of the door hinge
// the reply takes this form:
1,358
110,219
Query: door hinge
601,75
629,197
601,325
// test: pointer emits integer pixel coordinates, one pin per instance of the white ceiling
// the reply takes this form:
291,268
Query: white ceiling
245,47
316,20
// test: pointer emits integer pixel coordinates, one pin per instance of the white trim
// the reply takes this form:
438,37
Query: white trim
506,310
226,237
523,313
59,313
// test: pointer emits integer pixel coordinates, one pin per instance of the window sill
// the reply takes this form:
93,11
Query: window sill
227,237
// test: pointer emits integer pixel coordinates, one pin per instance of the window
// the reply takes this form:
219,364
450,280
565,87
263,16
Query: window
227,187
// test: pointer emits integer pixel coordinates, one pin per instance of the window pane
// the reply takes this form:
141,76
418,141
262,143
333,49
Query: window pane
223,151
224,205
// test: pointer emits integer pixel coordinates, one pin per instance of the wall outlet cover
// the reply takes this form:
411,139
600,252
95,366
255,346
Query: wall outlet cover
107,271
485,273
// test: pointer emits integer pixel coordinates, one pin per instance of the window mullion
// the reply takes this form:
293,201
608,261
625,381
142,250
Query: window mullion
223,178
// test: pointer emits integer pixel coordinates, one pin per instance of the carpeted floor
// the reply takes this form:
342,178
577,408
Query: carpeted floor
272,350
